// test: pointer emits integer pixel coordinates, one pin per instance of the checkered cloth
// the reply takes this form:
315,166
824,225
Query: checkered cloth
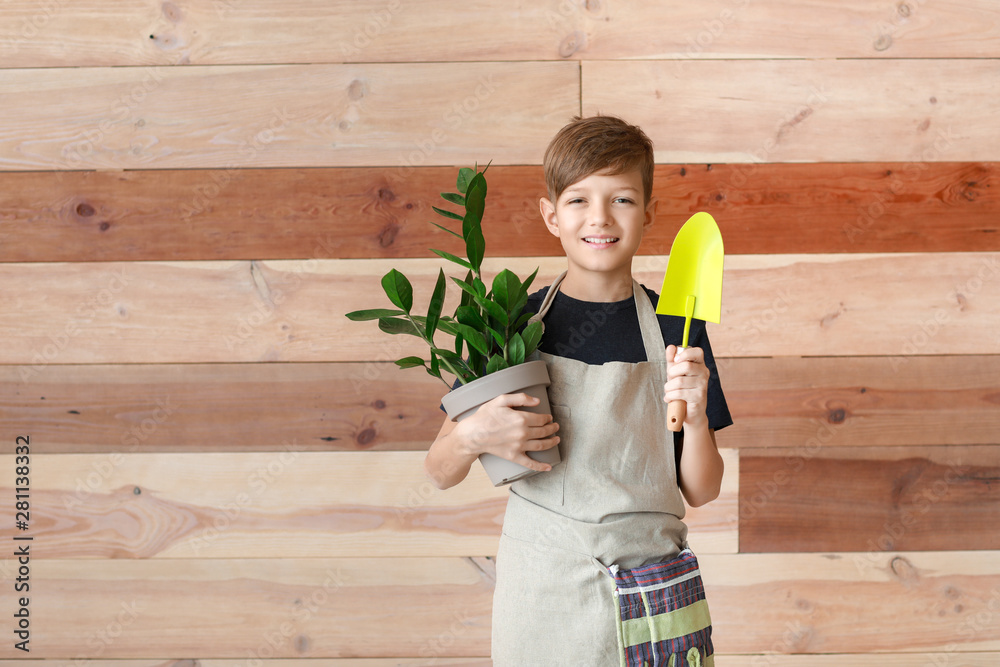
663,618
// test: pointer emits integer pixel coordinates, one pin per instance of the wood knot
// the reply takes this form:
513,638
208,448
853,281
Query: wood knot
137,491
883,42
357,89
592,5
172,12
366,437
379,404
85,210
933,100
572,43
684,171
301,643
105,226
388,234
904,10
836,416
385,194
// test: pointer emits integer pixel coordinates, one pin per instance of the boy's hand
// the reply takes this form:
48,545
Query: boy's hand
687,380
497,428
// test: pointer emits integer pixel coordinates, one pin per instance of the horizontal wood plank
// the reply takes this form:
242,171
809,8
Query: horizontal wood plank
949,658
287,310
803,110
284,504
359,213
862,401
925,603
310,31
232,117
910,499
776,402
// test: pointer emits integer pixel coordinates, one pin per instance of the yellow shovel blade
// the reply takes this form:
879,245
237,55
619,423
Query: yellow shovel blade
694,270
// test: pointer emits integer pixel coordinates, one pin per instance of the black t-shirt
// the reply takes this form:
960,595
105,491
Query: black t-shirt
596,333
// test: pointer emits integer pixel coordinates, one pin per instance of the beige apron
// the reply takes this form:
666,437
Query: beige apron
613,500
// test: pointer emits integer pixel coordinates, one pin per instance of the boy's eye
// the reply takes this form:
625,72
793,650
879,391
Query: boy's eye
624,200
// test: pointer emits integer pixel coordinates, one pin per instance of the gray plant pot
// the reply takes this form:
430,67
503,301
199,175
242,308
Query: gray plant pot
531,378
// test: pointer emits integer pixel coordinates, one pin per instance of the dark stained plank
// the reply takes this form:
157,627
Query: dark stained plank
374,212
775,402
870,500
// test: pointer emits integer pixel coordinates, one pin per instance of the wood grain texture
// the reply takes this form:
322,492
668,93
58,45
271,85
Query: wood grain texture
233,117
254,608
359,213
862,401
935,602
310,31
839,499
776,402
950,658
286,310
284,504
803,110
920,603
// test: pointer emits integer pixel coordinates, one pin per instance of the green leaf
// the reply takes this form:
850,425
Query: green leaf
496,363
397,325
515,350
464,178
448,214
452,258
495,311
459,341
373,314
472,229
522,320
527,283
467,288
409,362
480,287
506,289
466,299
453,198
473,338
436,304
471,317
435,368
532,336
398,289
447,230
497,336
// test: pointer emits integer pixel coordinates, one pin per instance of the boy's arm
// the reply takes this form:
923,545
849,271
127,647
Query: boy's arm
496,428
699,474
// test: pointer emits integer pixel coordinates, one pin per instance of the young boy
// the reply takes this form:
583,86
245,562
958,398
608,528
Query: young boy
592,567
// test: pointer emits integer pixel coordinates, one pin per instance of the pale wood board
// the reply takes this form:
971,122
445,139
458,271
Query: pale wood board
919,603
285,504
943,659
776,402
803,110
312,31
289,310
283,115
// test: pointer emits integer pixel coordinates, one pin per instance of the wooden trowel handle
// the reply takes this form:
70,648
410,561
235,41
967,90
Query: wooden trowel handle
676,412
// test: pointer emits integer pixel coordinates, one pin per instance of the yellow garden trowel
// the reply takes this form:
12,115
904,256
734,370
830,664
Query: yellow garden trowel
692,286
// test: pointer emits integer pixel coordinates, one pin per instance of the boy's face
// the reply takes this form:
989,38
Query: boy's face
600,221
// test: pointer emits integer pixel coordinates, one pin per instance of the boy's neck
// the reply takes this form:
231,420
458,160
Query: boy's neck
597,287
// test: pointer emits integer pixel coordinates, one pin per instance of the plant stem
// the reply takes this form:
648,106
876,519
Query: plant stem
430,342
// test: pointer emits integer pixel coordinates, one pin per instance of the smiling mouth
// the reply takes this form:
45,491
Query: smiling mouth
600,241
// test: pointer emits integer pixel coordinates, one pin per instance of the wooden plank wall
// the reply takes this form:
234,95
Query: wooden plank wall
225,470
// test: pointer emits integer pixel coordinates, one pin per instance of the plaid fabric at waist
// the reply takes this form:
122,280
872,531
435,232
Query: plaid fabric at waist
663,618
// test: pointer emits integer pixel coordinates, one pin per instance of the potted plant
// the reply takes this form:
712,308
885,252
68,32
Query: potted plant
491,337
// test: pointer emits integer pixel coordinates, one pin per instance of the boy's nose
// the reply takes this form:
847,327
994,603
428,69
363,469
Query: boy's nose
599,213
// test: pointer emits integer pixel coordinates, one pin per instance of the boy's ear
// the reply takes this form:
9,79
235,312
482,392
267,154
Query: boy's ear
650,213
548,211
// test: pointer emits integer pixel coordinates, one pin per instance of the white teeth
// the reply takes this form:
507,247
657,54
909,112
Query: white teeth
590,240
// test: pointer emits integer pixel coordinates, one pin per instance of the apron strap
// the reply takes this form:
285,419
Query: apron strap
652,335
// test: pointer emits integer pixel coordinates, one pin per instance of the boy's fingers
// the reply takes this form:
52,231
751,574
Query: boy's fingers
671,353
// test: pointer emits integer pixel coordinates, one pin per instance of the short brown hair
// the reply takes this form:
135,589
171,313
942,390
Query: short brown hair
589,145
